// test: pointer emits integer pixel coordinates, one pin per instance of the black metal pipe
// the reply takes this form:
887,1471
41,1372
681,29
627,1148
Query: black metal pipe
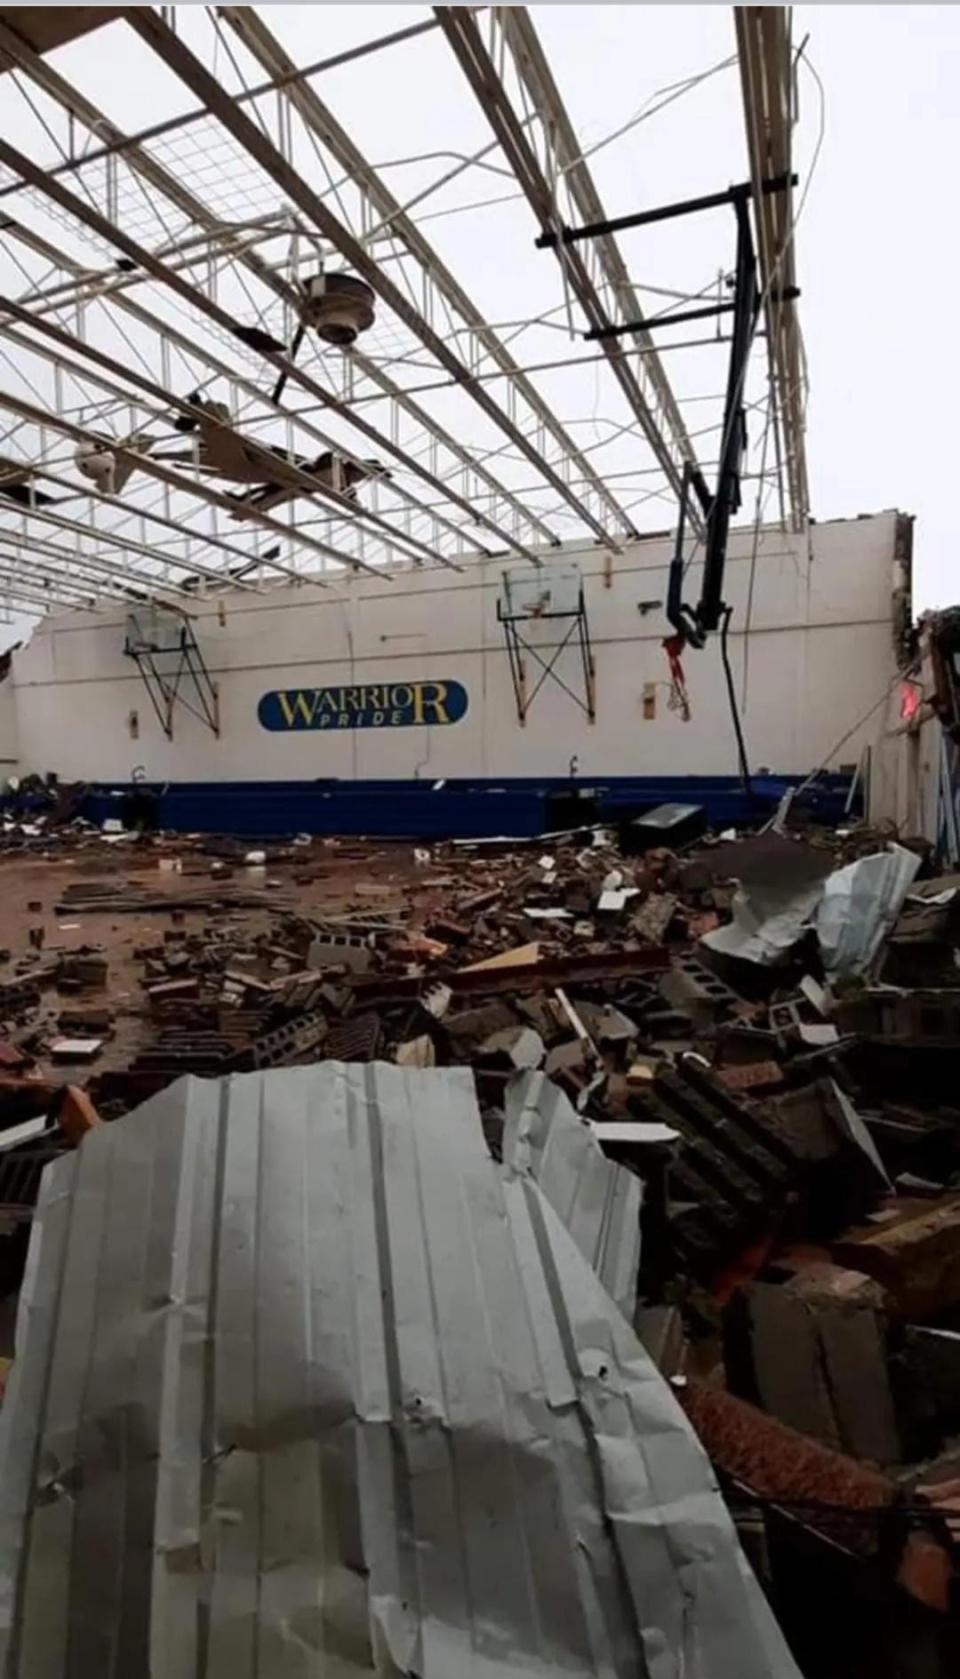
732,696
785,295
699,484
727,498
676,613
665,212
280,385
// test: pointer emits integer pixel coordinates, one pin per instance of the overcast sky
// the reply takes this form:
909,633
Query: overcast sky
878,252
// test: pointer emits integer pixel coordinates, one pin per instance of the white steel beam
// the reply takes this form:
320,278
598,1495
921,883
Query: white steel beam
103,284
25,565
361,517
12,588
44,417
113,534
168,336
763,48
176,125
144,463
570,166
178,57
111,573
320,121
78,107
199,300
110,288
672,448
114,539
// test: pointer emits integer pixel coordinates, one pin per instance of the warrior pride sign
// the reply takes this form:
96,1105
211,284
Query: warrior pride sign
381,705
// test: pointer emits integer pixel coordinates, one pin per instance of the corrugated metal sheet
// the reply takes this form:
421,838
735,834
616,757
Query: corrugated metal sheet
597,1200
860,906
304,1386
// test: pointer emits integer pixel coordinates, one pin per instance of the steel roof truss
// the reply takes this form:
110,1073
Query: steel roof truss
77,106
438,282
178,57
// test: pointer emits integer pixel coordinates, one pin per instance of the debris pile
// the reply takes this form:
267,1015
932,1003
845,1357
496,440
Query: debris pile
760,1031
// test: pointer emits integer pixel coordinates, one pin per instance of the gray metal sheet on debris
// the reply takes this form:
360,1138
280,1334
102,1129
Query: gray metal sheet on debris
860,906
597,1200
304,1385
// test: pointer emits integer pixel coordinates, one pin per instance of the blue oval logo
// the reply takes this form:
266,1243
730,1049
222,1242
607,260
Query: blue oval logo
377,705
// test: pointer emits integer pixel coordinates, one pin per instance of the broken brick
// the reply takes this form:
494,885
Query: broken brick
914,1254
755,1076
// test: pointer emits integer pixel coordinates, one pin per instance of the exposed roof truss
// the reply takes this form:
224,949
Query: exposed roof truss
153,286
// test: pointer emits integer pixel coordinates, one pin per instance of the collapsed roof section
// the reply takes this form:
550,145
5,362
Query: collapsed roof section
234,344
304,1377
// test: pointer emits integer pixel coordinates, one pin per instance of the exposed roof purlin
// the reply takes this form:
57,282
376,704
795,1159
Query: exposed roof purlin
73,101
466,43
534,69
304,479
137,312
267,50
173,52
145,463
85,213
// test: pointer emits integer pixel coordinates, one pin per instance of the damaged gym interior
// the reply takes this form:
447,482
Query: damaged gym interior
479,867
